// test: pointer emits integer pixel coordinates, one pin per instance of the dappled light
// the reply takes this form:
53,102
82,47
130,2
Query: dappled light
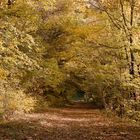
69,69
69,124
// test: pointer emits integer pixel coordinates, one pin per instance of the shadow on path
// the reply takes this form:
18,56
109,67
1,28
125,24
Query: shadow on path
68,124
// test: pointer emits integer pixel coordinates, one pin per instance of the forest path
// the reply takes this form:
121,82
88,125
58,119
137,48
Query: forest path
76,123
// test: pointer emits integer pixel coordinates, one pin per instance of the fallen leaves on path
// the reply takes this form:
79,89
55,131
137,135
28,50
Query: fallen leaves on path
68,124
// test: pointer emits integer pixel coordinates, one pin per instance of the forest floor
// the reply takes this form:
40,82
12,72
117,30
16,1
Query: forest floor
71,123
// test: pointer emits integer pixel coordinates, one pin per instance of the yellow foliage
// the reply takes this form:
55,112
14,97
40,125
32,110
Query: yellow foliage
3,73
16,101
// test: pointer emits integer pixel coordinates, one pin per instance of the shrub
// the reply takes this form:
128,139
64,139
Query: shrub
12,101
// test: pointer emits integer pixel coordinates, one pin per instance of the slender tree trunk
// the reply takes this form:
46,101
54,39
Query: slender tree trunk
132,70
104,100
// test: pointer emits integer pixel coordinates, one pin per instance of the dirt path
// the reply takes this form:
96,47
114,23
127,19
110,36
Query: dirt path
68,124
